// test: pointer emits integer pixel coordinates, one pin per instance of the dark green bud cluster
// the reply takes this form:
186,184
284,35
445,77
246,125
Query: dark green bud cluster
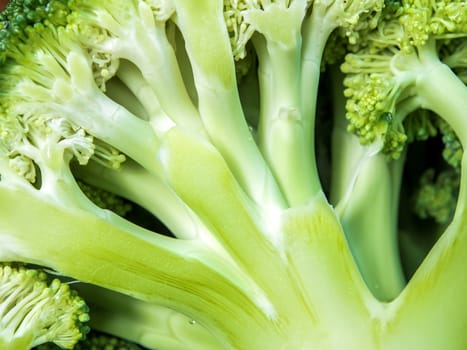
21,17
453,151
436,197
97,341
421,125
105,199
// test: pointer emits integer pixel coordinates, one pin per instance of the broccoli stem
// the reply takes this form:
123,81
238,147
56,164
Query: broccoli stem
281,133
187,276
365,191
151,325
370,222
315,32
306,249
136,184
219,101
442,92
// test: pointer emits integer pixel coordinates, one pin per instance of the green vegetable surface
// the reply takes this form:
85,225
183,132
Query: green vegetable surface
234,174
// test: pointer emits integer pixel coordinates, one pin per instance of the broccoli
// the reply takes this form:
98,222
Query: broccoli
209,117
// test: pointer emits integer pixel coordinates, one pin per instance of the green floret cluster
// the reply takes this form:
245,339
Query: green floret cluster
35,310
437,195
383,72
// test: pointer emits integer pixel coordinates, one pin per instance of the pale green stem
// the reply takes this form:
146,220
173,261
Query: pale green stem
208,47
320,260
371,227
148,324
281,131
147,190
212,192
154,56
316,31
117,255
117,91
112,123
441,91
365,190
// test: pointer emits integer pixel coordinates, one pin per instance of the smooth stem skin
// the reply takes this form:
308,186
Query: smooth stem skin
18,343
150,325
160,121
304,255
362,176
111,253
347,315
115,125
136,184
315,32
208,47
216,197
281,133
117,91
442,92
370,224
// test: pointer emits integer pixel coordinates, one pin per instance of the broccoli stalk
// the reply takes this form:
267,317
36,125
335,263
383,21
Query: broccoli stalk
361,171
151,325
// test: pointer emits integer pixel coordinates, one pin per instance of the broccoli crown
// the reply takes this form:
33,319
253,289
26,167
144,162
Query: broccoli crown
35,310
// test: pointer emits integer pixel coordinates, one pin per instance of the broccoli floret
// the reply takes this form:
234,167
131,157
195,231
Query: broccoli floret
105,199
36,310
385,79
437,195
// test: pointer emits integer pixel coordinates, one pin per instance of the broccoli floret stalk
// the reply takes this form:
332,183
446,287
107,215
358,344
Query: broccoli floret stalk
279,30
398,70
360,170
209,50
34,310
173,267
166,205
150,325
275,30
104,29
